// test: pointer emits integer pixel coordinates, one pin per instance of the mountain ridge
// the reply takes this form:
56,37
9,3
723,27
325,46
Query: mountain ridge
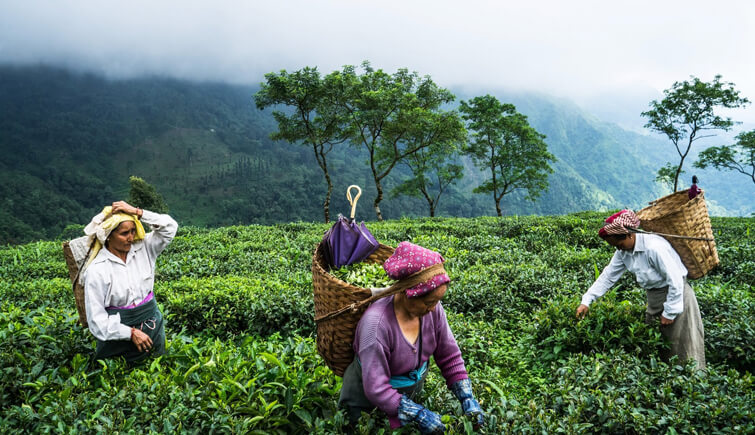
70,140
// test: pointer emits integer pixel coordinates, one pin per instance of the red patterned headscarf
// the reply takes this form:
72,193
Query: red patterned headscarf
409,259
619,223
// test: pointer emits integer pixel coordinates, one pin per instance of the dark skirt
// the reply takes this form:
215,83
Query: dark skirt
352,397
148,319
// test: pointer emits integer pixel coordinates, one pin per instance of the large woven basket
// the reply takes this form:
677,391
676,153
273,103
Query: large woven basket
78,289
339,305
676,214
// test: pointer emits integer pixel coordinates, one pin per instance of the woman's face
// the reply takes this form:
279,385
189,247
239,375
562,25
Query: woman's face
122,237
625,244
425,304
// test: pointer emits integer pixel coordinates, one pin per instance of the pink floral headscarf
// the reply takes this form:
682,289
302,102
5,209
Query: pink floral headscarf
409,259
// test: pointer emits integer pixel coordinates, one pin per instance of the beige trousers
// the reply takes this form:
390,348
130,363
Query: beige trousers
686,333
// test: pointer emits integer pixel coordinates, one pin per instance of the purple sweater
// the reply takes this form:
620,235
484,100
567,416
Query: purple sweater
383,352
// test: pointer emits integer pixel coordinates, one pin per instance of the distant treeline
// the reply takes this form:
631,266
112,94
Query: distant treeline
69,143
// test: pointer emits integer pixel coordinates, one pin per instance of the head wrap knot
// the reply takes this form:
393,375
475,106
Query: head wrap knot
409,259
619,223
103,224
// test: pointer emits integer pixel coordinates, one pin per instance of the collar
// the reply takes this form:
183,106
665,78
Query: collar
640,242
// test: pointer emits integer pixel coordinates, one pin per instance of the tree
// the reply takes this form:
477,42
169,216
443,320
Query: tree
503,142
393,116
666,175
433,168
316,120
687,111
739,157
144,195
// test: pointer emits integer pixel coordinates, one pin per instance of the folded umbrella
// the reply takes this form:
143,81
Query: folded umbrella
346,241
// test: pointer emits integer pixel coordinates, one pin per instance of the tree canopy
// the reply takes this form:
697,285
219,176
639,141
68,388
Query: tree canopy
316,119
739,157
688,110
394,116
435,168
144,195
504,143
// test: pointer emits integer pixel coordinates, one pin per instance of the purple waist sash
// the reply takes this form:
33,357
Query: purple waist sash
128,307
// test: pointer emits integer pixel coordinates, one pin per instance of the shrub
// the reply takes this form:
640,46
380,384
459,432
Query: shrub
610,324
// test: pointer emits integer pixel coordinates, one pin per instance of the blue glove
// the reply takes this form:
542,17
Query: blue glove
463,391
428,421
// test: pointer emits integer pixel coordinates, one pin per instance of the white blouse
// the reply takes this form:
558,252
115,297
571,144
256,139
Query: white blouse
109,282
654,263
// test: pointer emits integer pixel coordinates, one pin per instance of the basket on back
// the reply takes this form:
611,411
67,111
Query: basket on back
339,305
676,214
335,334
75,252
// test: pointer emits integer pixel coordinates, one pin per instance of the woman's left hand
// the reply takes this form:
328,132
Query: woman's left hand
141,340
124,207
665,321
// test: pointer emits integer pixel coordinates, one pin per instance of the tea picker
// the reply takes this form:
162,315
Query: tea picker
354,326
676,245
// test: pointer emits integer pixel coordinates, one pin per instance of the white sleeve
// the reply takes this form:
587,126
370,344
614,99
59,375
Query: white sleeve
164,229
104,327
611,273
667,266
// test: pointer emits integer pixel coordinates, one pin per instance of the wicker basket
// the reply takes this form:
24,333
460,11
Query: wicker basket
78,289
339,305
676,214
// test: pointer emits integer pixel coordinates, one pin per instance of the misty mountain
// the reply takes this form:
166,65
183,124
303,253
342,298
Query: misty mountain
69,141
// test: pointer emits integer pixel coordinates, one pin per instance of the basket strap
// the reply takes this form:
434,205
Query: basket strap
410,281
637,230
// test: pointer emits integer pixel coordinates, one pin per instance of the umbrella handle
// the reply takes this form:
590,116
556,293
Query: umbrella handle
354,201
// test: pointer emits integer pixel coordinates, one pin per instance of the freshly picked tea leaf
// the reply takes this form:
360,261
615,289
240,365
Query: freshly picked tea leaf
365,275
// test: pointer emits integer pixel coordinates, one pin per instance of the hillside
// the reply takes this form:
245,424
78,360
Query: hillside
70,141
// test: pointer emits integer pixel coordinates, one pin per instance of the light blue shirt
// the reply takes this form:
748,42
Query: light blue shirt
654,263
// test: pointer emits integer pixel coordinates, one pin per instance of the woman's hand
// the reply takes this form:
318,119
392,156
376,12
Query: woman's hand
141,340
124,207
665,321
582,309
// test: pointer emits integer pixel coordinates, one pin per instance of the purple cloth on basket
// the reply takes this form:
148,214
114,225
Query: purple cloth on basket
349,242
693,191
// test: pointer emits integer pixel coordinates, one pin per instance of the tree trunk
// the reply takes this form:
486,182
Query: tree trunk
377,212
323,162
429,200
378,198
677,174
326,204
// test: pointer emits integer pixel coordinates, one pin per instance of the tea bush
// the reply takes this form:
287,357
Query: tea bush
203,385
729,315
610,324
230,306
242,356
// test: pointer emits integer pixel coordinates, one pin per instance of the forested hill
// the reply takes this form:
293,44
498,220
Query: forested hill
69,142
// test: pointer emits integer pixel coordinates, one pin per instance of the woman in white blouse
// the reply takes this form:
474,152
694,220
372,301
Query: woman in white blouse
118,281
658,270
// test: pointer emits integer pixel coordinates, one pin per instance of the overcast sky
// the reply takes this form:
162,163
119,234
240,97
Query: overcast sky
587,51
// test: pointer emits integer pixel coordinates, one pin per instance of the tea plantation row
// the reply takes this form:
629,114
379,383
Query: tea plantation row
242,357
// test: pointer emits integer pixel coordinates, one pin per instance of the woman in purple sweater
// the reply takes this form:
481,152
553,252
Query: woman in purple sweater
394,341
